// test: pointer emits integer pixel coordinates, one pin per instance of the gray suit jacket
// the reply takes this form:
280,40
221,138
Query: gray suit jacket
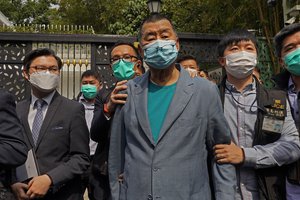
176,167
62,149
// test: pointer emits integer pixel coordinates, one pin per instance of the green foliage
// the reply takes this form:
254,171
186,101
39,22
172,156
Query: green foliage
125,16
211,16
132,14
28,11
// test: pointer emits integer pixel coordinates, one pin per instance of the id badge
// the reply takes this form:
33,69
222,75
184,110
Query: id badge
272,124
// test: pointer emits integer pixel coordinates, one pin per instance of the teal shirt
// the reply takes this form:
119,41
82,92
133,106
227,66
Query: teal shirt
159,99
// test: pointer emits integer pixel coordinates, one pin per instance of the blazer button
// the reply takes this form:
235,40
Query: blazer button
150,197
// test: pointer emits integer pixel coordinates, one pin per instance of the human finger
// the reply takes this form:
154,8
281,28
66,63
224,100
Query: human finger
119,88
220,146
222,161
118,96
121,82
219,151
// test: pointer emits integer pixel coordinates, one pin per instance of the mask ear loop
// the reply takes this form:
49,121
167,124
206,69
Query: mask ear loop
251,106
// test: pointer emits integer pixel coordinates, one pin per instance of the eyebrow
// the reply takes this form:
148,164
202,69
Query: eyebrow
291,44
163,30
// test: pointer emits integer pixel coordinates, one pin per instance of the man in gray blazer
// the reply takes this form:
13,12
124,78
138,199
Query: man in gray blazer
55,129
162,138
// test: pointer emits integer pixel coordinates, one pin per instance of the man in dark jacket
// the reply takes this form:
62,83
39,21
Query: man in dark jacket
125,64
287,44
264,136
55,130
12,146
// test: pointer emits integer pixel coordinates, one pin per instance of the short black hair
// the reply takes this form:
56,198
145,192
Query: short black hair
38,53
234,37
155,17
120,43
90,72
186,57
285,32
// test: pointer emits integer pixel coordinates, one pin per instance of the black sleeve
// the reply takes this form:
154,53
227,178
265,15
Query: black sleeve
100,125
12,146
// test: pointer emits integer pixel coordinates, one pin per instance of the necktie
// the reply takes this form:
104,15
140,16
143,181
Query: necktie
38,119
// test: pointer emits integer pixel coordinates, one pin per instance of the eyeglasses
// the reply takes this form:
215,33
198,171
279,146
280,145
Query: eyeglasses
126,58
41,68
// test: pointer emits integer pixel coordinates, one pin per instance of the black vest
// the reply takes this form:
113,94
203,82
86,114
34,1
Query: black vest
282,81
271,181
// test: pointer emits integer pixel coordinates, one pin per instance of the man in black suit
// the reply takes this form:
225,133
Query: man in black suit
125,64
12,146
56,130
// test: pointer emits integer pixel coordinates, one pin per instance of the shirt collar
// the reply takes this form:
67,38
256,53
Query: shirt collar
84,101
248,88
47,99
291,86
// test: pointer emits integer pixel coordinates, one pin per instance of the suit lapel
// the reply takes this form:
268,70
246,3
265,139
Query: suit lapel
183,93
24,110
140,101
49,115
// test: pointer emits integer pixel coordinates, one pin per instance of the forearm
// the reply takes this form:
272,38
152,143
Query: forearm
283,151
100,126
67,171
274,154
224,179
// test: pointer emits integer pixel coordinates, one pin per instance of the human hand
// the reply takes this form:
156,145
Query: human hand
116,98
228,153
19,190
39,186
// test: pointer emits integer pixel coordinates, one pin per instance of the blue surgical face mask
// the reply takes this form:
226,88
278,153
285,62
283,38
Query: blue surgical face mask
89,91
160,54
292,62
123,70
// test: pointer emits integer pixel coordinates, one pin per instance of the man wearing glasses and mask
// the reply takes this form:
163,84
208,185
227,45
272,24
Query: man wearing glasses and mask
125,64
55,130
162,138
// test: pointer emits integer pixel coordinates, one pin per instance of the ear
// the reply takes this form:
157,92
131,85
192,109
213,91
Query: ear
222,61
25,74
177,44
138,68
281,62
140,49
138,63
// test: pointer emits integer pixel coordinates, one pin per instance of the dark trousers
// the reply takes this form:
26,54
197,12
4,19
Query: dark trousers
99,188
96,183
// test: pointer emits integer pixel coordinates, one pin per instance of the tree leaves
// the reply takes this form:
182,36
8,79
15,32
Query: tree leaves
125,16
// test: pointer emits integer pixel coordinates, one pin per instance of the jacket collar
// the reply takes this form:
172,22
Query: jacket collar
282,80
183,93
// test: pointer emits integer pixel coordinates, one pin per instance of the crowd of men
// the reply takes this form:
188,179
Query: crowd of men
167,133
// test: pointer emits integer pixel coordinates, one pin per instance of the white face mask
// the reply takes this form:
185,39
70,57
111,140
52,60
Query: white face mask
191,71
241,64
44,81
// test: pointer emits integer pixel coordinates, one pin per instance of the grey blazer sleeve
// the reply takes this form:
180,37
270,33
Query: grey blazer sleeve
116,152
12,146
223,175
